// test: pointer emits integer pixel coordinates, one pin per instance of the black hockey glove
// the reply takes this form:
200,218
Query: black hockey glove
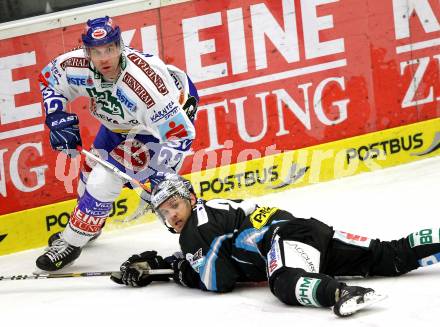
64,132
184,274
133,271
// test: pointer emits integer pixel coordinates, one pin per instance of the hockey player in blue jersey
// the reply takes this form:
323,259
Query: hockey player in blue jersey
146,110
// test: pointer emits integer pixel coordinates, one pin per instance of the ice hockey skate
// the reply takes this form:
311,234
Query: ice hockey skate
57,236
58,255
354,298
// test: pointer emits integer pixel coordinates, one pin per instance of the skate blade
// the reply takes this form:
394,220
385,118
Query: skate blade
39,271
358,303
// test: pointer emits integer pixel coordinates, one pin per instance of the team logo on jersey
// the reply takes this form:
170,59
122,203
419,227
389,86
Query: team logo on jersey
125,100
109,103
196,260
150,72
165,113
260,216
175,128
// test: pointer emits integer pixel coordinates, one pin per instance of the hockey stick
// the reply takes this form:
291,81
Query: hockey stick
143,207
114,169
164,272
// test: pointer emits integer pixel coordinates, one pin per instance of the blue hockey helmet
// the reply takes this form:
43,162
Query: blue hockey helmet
100,31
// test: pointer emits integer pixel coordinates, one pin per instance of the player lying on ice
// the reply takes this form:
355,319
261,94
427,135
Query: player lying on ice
228,241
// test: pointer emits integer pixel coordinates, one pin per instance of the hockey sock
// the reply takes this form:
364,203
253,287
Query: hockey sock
426,245
86,220
297,287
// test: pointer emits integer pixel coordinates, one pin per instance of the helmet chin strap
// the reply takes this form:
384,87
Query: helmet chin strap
170,229
168,226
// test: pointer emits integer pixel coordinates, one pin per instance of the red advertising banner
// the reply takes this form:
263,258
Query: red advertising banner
273,76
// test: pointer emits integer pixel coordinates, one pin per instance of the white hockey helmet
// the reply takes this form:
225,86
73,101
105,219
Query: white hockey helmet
172,185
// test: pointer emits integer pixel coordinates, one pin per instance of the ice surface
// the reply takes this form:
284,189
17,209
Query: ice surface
387,204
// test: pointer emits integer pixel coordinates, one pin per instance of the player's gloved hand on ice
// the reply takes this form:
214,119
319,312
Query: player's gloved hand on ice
134,271
64,132
184,274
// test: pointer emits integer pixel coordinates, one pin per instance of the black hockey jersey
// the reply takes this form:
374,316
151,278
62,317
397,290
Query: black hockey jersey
225,241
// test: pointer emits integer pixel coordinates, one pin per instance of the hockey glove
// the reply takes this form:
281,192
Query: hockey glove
184,274
64,132
133,271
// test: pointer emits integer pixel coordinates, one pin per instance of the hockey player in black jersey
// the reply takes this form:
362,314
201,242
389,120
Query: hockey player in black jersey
224,242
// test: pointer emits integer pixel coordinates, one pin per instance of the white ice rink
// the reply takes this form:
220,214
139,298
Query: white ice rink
387,204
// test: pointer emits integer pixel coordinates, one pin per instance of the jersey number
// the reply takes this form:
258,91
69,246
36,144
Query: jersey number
222,204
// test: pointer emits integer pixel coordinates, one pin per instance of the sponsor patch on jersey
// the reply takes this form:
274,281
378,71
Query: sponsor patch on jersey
274,260
132,154
75,62
150,72
305,291
85,223
430,260
93,207
125,100
301,255
49,76
137,88
175,128
261,215
170,110
196,260
77,80
424,236
352,239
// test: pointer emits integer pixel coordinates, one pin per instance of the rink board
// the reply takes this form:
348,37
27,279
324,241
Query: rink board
30,228
365,153
294,74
